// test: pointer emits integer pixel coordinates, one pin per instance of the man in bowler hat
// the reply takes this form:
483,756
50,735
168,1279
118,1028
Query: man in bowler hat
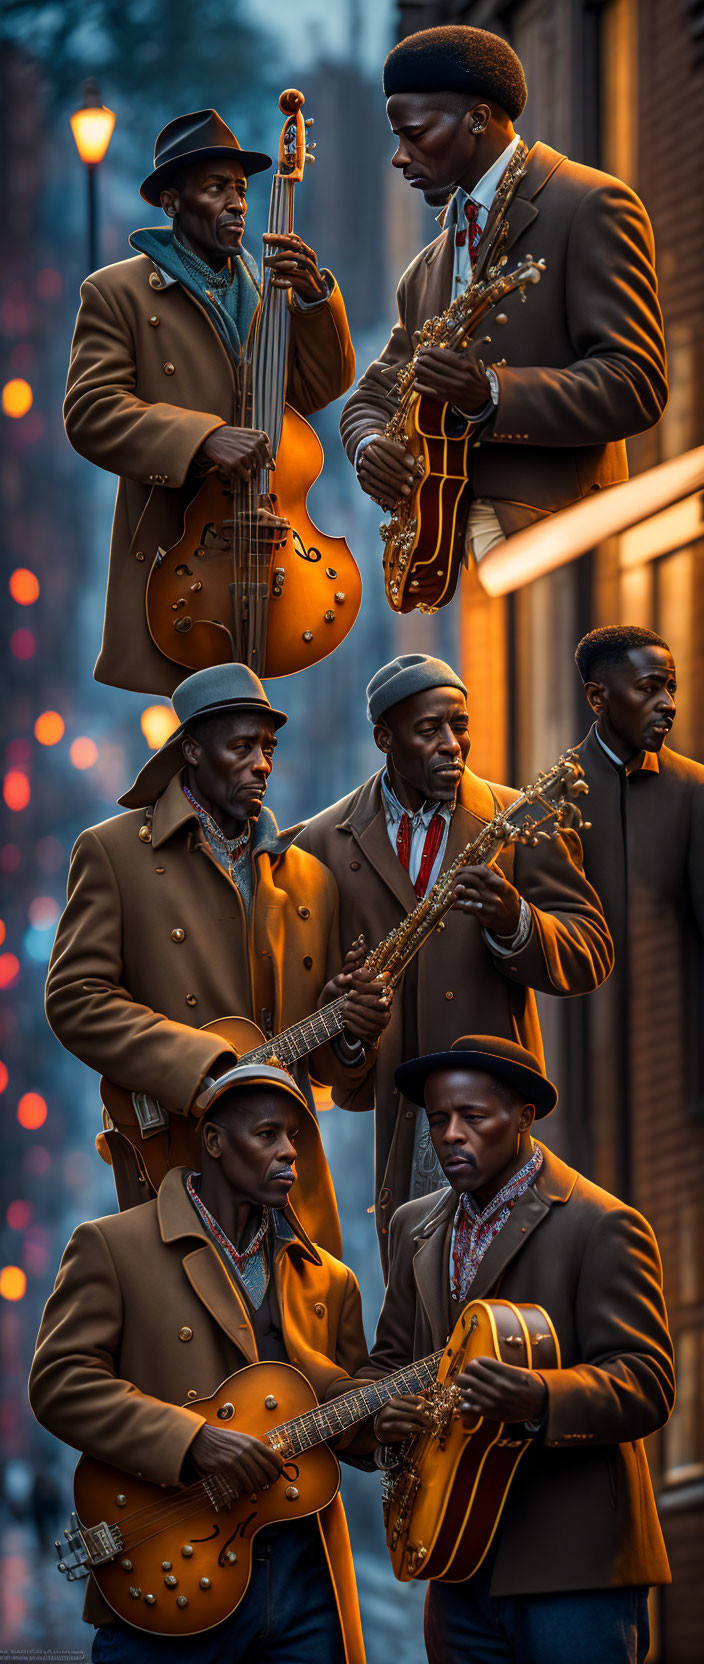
154,383
579,1541
193,905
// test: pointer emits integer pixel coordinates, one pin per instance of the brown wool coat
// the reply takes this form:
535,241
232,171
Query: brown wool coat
456,985
581,1512
111,1374
129,999
585,355
148,380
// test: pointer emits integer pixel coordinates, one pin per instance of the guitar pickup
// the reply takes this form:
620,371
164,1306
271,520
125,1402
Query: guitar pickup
150,1114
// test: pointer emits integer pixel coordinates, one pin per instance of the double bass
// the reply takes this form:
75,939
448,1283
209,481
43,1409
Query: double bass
252,580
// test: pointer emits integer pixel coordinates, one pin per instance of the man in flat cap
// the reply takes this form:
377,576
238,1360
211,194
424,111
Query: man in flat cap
578,1541
193,906
529,922
566,378
154,383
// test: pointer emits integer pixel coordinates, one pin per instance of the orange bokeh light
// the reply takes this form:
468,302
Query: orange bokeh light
13,1282
9,969
24,586
32,1111
158,723
16,790
3,931
4,1077
84,752
49,728
17,397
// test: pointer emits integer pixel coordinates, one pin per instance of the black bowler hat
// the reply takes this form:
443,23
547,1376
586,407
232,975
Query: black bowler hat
505,1059
197,137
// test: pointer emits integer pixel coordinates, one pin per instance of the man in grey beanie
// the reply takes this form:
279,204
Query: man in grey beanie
530,923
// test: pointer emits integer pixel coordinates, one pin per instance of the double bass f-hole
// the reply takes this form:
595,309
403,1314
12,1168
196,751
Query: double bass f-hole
310,554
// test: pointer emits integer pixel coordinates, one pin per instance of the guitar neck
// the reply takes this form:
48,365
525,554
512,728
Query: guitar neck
326,1421
302,1038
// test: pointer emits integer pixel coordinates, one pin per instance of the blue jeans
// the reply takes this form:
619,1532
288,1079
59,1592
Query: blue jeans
288,1615
464,1624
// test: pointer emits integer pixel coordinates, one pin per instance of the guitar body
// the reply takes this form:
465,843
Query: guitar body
445,1505
423,559
314,585
175,1139
203,1546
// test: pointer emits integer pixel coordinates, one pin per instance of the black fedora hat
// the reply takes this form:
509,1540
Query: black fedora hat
492,1054
197,137
220,687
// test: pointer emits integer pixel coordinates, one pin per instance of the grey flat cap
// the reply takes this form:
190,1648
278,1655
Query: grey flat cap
247,1074
221,687
410,673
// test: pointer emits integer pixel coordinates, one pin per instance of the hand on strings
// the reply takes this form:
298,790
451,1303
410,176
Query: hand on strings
485,892
386,471
249,1465
294,265
236,452
368,1002
401,1418
454,376
501,1392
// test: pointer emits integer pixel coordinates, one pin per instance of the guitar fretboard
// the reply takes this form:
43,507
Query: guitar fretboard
327,1420
302,1038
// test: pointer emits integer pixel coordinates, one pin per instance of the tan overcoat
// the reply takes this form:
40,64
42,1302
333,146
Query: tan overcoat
581,1512
111,1371
457,984
148,380
155,942
585,355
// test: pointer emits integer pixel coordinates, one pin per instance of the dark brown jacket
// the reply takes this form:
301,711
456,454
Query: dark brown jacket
581,1512
112,1375
586,353
149,379
155,942
457,984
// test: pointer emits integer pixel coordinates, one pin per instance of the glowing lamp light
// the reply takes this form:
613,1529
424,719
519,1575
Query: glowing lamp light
32,1111
19,1215
92,128
158,723
24,586
49,728
4,1076
13,1282
84,752
3,931
16,790
17,397
22,644
9,969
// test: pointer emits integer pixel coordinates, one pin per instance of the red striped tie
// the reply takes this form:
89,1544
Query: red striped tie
433,840
472,232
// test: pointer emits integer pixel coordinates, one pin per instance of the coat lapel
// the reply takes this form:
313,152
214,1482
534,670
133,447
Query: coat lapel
367,824
540,164
209,1280
430,1268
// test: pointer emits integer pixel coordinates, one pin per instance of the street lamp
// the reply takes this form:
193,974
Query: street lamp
92,127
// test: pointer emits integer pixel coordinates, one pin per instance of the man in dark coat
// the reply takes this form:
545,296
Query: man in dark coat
529,922
645,857
579,1540
565,379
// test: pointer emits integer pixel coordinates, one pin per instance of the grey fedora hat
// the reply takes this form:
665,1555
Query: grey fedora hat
196,137
222,687
409,673
247,1074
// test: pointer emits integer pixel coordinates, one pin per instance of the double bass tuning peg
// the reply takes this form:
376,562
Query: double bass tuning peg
309,121
310,157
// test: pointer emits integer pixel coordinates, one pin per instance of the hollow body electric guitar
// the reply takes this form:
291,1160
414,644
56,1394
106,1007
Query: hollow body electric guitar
445,1497
252,580
541,810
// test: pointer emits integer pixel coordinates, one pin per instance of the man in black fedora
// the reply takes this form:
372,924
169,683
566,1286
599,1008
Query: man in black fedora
579,1541
154,384
193,906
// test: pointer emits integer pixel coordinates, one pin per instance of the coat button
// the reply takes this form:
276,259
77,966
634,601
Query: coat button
192,1392
154,321
319,1308
449,995
145,834
191,999
304,912
169,369
384,1197
307,962
160,869
178,935
185,1333
155,281
355,866
139,554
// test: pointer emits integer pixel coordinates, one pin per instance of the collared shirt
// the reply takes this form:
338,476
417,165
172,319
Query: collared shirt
251,1274
475,1228
645,762
482,196
420,821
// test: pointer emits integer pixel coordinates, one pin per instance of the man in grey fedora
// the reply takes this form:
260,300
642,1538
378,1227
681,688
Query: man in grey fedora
154,384
193,906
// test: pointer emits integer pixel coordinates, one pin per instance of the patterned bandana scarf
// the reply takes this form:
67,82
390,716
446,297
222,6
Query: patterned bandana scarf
252,1264
474,1232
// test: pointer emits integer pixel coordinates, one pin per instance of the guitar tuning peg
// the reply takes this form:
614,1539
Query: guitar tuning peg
309,158
309,121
